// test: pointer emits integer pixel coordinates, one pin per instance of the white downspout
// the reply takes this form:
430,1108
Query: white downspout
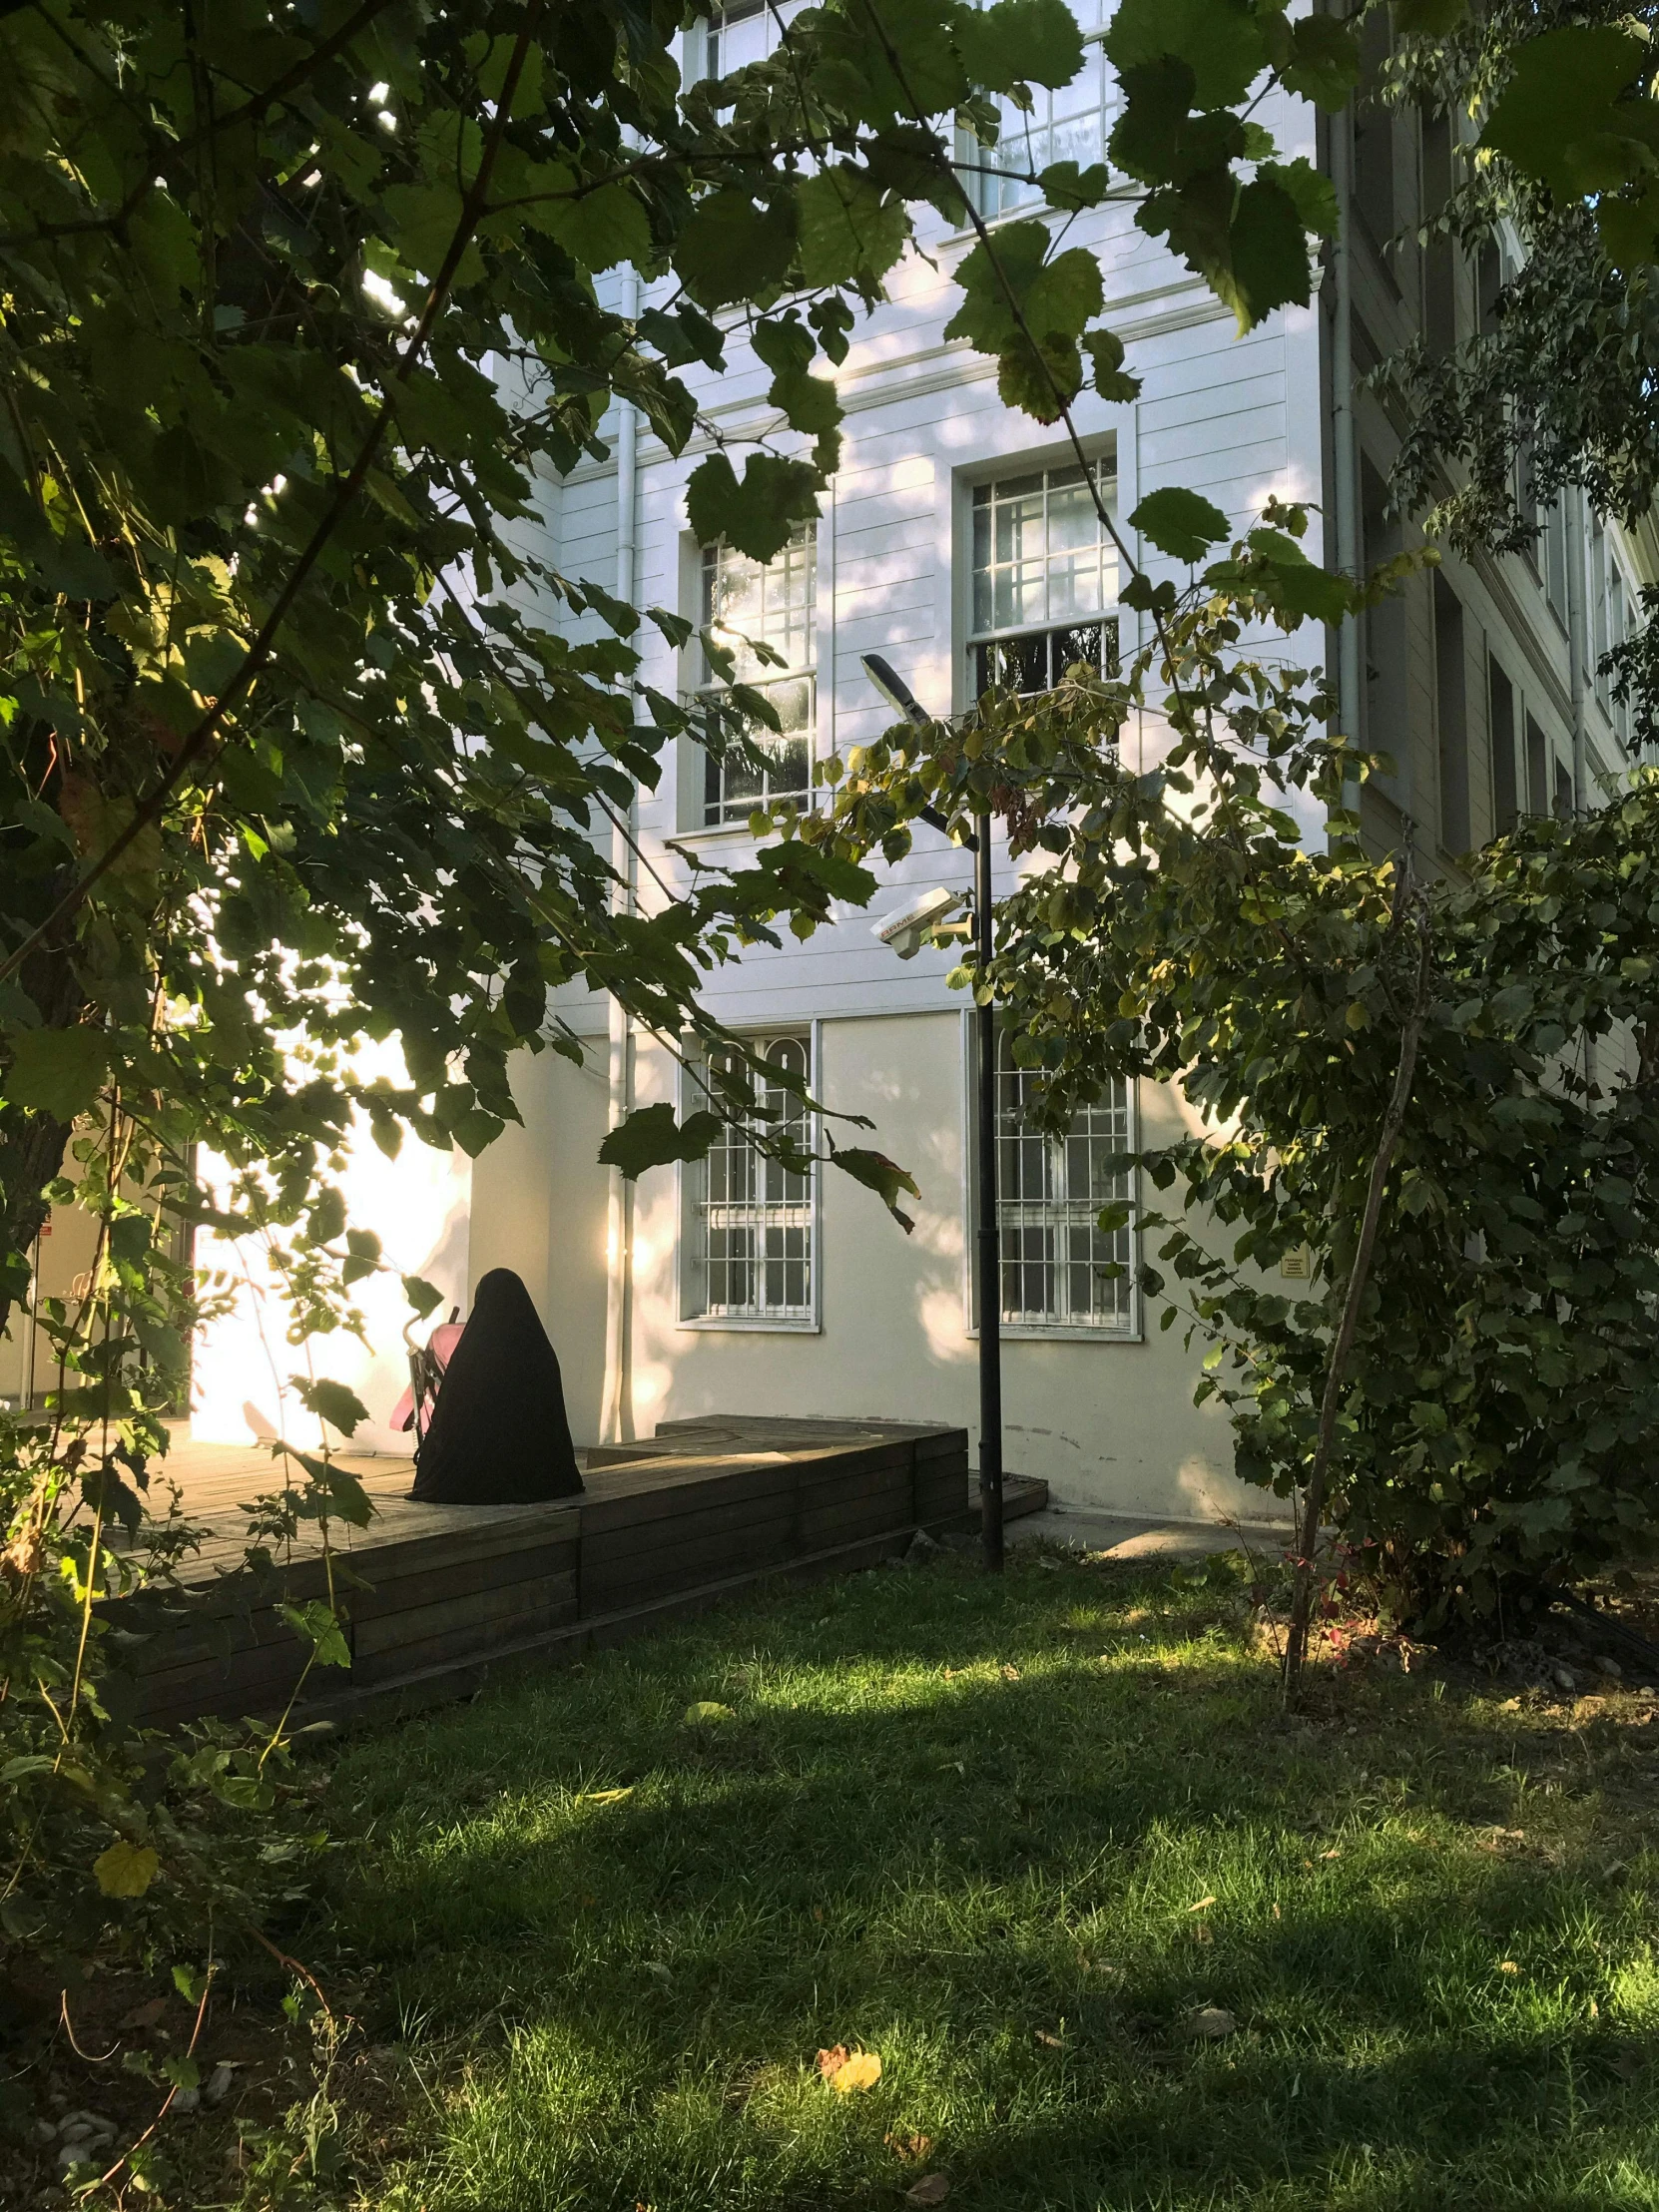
1344,458
616,1419
1577,645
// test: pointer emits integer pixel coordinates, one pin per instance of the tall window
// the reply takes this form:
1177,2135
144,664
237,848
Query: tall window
1067,124
776,606
1045,580
1050,1190
748,1220
731,37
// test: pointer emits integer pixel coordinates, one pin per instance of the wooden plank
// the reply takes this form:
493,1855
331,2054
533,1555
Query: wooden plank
856,1516
478,1609
467,1642
446,1580
773,1479
609,1583
698,1520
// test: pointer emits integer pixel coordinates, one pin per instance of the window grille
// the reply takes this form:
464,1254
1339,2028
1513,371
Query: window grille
1045,580
776,605
1066,125
1050,1190
749,1218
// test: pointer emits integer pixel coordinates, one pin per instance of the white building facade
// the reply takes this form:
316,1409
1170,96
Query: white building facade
958,541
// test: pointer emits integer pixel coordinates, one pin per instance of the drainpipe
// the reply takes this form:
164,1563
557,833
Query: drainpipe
1578,645
1345,456
616,1418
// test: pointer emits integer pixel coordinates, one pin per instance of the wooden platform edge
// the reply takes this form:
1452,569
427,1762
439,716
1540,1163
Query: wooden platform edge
462,1678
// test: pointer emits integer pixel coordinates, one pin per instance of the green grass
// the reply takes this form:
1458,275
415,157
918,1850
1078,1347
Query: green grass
901,1845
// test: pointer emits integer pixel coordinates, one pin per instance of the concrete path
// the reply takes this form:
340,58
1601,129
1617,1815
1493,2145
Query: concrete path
1120,1536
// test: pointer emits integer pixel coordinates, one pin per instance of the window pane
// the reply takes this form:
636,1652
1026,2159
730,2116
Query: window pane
753,1221
1054,1254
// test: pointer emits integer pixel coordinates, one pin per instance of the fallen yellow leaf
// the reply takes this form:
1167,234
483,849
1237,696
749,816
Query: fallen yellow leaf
848,2070
1507,1965
706,1709
1202,1906
1053,2042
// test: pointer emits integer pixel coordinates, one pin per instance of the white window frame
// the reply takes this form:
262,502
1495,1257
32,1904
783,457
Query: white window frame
1112,613
1021,129
1131,1329
710,815
702,57
690,1250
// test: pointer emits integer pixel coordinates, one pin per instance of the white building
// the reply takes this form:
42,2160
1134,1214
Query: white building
954,537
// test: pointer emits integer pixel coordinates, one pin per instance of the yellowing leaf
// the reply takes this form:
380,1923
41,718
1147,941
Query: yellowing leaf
706,1711
849,2071
1201,1906
1507,1965
604,1797
125,1869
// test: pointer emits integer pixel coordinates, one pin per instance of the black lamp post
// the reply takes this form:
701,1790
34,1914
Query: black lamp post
898,695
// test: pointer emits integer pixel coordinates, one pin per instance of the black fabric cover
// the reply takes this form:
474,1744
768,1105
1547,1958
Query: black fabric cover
499,1436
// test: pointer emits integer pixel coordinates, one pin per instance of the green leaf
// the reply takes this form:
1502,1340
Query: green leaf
731,249
1180,522
331,1402
1269,248
125,1869
599,229
878,1174
650,1138
1064,185
757,515
1321,60
849,232
1020,42
1308,190
1220,41
317,1624
1560,117
1427,18
57,1071
1111,379
421,1294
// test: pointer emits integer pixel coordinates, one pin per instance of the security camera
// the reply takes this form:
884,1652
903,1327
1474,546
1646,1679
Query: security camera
921,922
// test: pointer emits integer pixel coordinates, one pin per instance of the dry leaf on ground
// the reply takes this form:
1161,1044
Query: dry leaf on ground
847,2071
832,2061
1010,1674
1211,2024
930,2189
1053,2042
1202,1905
911,2148
707,1709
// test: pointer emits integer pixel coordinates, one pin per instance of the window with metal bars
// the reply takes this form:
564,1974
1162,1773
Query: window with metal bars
748,1219
1068,123
1054,1254
745,603
1045,580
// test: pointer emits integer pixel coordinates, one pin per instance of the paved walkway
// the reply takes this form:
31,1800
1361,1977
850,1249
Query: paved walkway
1121,1536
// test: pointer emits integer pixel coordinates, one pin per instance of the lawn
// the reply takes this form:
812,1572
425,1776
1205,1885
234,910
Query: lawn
1011,1838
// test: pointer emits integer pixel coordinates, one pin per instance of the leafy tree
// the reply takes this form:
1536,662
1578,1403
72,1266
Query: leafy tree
1443,1095
299,304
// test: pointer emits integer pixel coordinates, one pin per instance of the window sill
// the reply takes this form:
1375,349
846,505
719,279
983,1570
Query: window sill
1032,1333
702,1324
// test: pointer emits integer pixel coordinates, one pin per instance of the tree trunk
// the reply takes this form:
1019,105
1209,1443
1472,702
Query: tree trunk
1312,1500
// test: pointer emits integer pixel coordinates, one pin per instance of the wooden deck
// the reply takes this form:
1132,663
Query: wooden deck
436,1597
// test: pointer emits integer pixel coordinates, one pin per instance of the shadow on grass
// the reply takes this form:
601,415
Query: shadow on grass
1010,1837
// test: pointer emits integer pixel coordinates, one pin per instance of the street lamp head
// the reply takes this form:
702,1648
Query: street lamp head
922,923
894,688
